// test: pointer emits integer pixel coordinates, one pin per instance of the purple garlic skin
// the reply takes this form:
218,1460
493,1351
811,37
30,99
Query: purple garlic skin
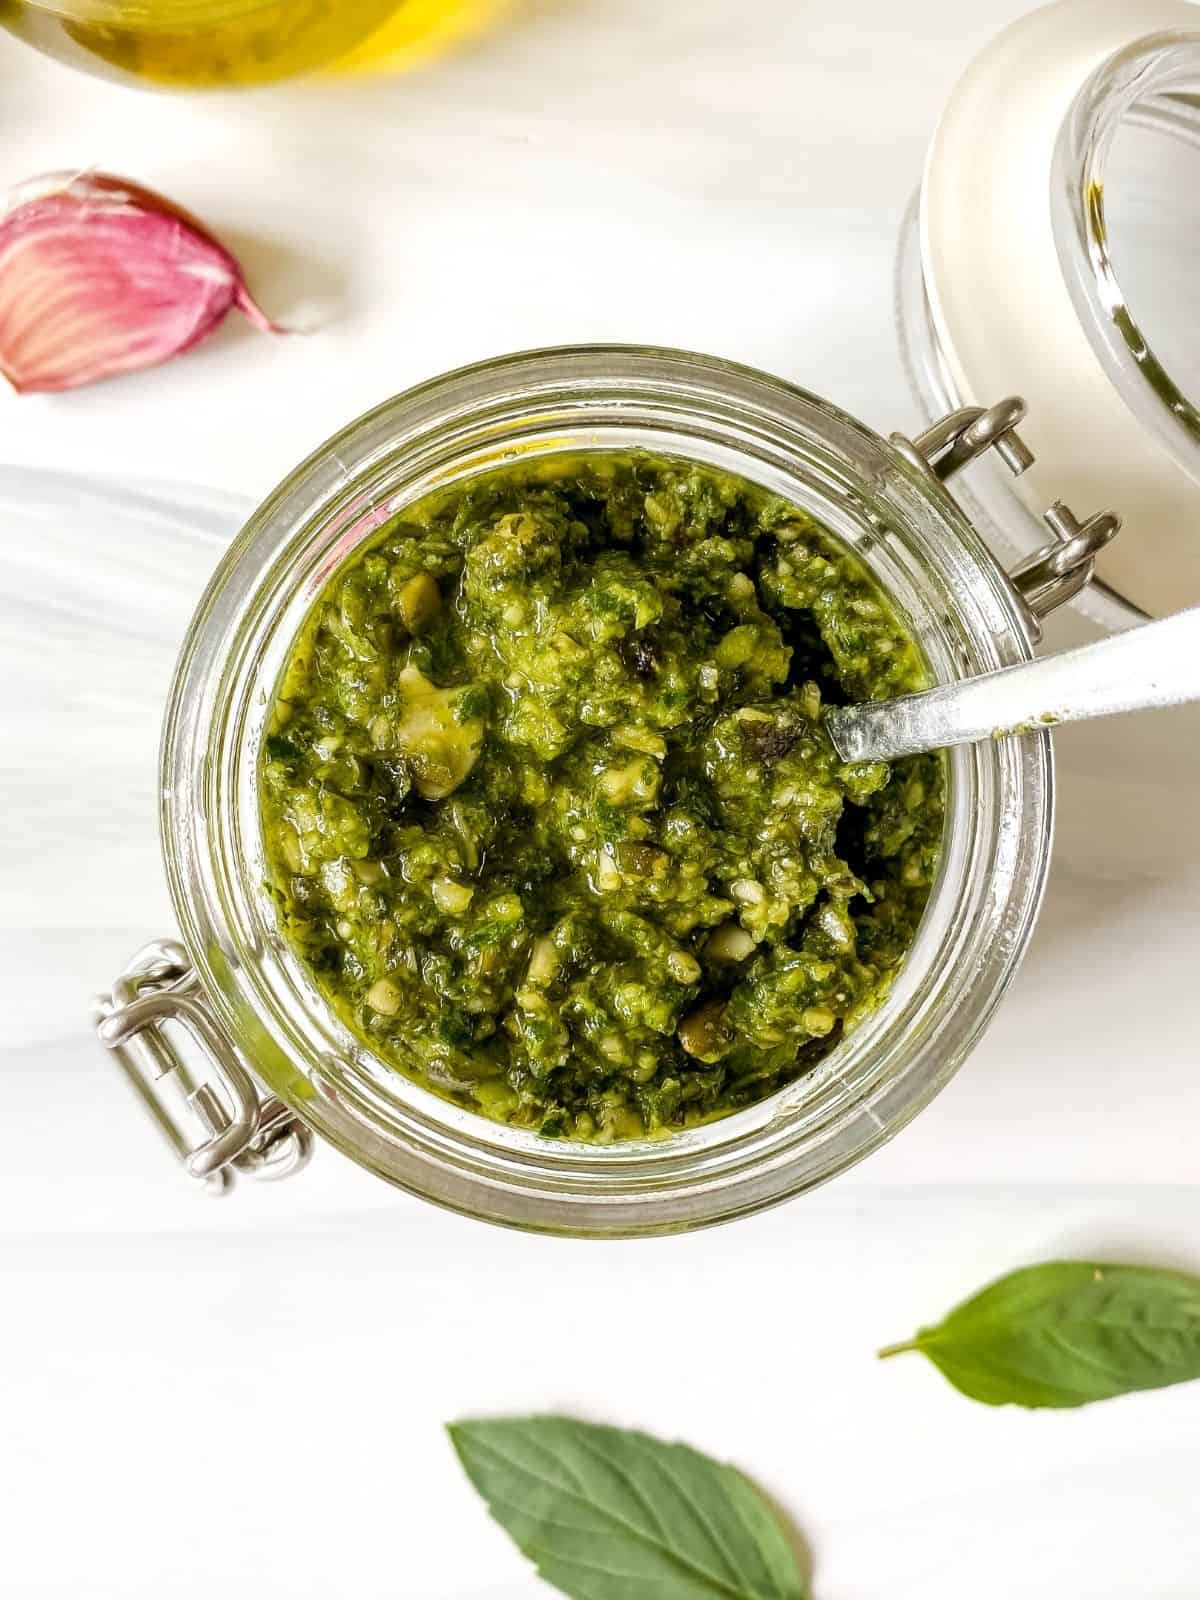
99,276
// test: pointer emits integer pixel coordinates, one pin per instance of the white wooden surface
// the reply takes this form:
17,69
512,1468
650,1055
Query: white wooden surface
246,1398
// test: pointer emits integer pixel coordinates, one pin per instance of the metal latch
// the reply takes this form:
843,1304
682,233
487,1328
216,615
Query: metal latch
1057,571
220,1126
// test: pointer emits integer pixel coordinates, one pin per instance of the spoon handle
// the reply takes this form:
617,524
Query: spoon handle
1157,664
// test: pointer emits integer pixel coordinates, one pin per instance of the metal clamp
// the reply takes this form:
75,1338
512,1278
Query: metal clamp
1058,570
234,1128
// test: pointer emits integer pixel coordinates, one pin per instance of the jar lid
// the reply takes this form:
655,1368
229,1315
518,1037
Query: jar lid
1057,237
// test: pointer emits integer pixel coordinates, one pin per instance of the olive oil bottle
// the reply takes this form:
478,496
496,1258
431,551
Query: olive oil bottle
205,44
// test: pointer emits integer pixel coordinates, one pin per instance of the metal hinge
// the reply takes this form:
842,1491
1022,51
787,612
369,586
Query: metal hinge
219,1126
1057,571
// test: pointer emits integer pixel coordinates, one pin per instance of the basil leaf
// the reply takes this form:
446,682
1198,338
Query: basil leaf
1067,1333
606,1514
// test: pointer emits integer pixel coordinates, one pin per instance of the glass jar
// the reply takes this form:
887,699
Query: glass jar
204,44
249,999
1051,249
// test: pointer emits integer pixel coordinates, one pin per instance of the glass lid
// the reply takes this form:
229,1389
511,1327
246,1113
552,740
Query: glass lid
1051,253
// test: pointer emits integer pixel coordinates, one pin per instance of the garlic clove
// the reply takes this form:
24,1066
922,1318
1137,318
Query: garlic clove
99,276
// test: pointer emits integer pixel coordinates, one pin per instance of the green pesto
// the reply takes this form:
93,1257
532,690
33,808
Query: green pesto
1048,719
550,811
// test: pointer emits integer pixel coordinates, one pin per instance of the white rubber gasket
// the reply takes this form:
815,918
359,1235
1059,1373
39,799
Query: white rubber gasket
999,301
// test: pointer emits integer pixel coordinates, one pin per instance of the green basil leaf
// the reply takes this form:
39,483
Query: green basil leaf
1067,1333
606,1514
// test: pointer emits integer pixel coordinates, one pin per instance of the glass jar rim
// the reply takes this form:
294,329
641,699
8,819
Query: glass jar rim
908,529
1154,82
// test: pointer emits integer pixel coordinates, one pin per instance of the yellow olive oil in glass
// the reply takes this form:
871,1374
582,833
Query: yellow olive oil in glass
205,44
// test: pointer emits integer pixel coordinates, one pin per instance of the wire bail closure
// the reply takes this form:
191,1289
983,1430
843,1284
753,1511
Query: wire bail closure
1057,571
218,1127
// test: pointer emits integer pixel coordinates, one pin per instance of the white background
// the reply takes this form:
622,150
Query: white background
246,1397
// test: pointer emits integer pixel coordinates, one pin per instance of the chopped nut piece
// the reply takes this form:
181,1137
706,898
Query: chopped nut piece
705,1034
608,874
683,967
419,602
441,748
450,897
543,963
730,943
384,997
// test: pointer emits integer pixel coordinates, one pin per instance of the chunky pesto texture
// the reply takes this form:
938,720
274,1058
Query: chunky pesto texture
550,810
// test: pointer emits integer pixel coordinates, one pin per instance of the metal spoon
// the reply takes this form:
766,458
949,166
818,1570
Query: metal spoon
1157,664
